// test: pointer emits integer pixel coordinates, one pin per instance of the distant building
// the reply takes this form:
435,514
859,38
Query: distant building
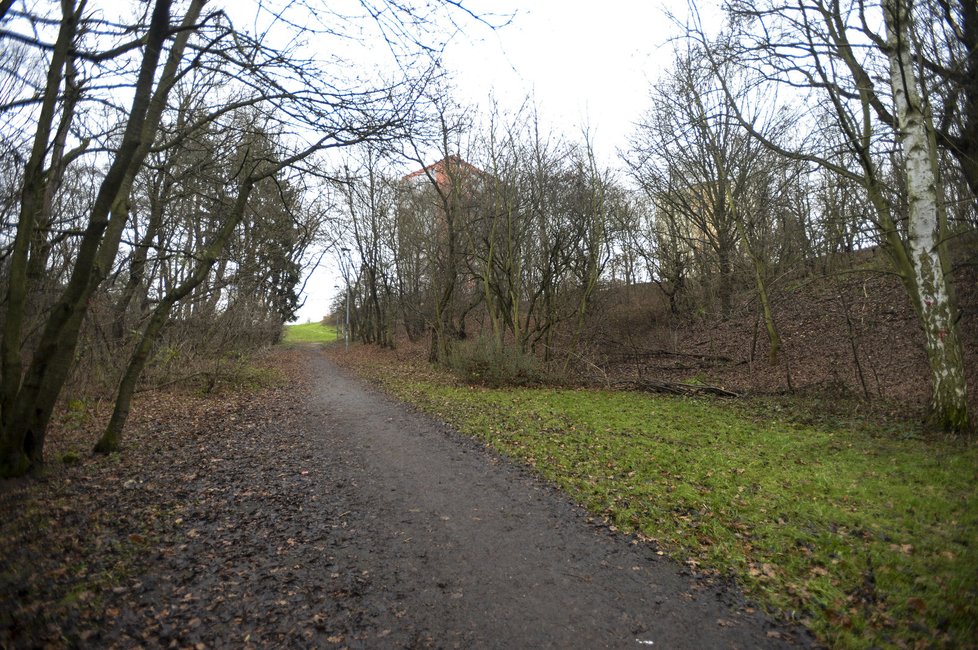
450,185
441,210
444,172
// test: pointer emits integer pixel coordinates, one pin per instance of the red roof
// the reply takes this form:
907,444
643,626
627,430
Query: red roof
443,169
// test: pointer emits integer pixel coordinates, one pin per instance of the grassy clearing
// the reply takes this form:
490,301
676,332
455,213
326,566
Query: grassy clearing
867,539
309,333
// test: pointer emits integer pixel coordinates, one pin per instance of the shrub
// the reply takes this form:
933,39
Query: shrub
490,363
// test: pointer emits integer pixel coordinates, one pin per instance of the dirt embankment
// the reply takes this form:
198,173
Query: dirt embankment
853,334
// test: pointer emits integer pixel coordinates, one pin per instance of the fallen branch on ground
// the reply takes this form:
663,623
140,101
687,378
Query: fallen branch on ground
673,388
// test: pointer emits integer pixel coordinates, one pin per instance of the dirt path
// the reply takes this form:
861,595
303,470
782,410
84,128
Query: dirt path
471,551
343,519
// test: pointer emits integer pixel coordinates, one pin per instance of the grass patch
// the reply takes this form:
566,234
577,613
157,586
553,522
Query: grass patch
868,539
309,333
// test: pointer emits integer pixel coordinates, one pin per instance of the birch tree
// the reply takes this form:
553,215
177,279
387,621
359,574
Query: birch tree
861,66
927,228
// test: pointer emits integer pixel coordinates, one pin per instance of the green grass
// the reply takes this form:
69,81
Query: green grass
309,333
869,539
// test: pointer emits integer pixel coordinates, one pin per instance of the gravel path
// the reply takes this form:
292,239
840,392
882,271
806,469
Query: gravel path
345,519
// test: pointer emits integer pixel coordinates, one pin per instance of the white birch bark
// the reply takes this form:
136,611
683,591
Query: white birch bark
927,251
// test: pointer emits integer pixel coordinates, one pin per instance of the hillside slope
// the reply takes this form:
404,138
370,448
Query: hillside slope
852,334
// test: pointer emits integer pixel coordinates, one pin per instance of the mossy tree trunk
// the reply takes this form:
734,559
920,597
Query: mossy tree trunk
26,415
112,436
17,450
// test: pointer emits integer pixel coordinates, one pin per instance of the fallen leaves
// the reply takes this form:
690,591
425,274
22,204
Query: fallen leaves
83,534
765,569
917,604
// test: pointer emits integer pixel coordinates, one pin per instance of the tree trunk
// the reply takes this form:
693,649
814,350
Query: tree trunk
112,436
927,221
15,450
22,445
725,288
137,268
774,340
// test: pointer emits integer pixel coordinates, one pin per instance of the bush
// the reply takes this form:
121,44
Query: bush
487,362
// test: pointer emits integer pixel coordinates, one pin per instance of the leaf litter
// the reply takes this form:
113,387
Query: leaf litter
199,533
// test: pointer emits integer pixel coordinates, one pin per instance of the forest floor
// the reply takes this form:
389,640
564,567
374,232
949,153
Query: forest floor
850,335
310,510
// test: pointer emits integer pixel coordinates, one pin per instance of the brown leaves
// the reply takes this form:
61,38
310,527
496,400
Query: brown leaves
917,604
82,534
763,570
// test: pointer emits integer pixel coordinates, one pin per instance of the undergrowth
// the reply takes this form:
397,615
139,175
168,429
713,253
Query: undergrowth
866,536
485,362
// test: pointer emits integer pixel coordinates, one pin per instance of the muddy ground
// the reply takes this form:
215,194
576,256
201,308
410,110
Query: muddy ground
324,514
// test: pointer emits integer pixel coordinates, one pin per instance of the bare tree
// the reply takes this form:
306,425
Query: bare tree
831,51
944,51
719,195
257,162
28,403
516,237
685,161
444,191
369,195
88,56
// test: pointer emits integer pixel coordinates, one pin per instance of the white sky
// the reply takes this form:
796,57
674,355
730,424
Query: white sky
586,63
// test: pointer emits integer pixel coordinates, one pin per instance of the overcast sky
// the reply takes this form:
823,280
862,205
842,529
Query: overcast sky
585,63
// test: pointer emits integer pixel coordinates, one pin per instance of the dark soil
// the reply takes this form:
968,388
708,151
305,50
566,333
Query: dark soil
324,514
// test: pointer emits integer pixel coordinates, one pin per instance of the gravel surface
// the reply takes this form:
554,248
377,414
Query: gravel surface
341,518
